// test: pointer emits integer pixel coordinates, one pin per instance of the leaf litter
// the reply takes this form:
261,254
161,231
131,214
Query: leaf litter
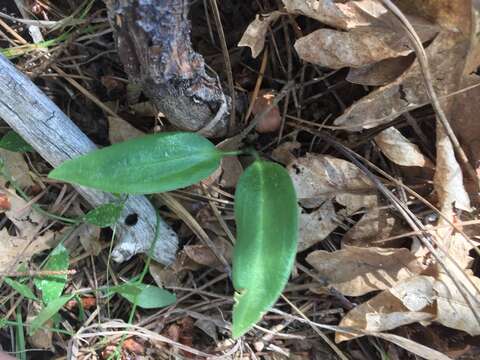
357,246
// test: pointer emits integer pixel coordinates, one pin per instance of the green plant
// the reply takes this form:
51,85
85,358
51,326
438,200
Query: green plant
265,209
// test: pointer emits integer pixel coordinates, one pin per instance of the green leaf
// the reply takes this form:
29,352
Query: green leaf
144,165
145,296
266,214
52,286
14,142
104,215
22,289
48,312
20,337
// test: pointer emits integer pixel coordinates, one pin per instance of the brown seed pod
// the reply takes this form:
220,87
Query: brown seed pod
272,120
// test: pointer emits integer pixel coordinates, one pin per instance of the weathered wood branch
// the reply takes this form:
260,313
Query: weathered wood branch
154,45
57,139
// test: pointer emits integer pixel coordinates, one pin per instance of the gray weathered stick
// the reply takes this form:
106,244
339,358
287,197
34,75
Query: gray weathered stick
57,139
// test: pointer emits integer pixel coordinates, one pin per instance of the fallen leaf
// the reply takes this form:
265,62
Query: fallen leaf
407,92
89,237
348,15
355,271
254,36
25,219
356,48
380,73
415,293
284,152
42,338
376,224
231,170
316,225
452,308
17,168
119,130
381,313
399,149
323,177
203,255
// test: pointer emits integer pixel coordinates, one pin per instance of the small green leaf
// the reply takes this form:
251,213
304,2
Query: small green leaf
104,215
13,142
146,296
48,312
144,165
266,214
52,286
22,289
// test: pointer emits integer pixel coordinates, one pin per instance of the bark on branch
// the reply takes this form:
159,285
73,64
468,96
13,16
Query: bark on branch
57,139
154,45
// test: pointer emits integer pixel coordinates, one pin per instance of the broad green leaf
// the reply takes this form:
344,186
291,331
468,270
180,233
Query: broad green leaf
22,289
48,312
52,286
144,165
104,215
266,214
14,142
146,296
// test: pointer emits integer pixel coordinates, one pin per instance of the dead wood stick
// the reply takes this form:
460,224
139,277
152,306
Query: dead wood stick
57,139
154,45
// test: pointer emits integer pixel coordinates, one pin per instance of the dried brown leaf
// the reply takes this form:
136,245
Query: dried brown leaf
284,152
119,130
399,149
355,48
356,271
380,73
452,308
323,177
342,15
407,92
17,168
254,36
376,224
381,313
316,225
14,247
203,255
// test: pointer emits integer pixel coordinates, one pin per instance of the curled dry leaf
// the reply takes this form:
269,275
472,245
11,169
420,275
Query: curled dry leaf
322,177
356,271
448,179
254,36
399,149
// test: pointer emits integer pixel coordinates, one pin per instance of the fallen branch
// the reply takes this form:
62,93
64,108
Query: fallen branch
57,139
154,45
